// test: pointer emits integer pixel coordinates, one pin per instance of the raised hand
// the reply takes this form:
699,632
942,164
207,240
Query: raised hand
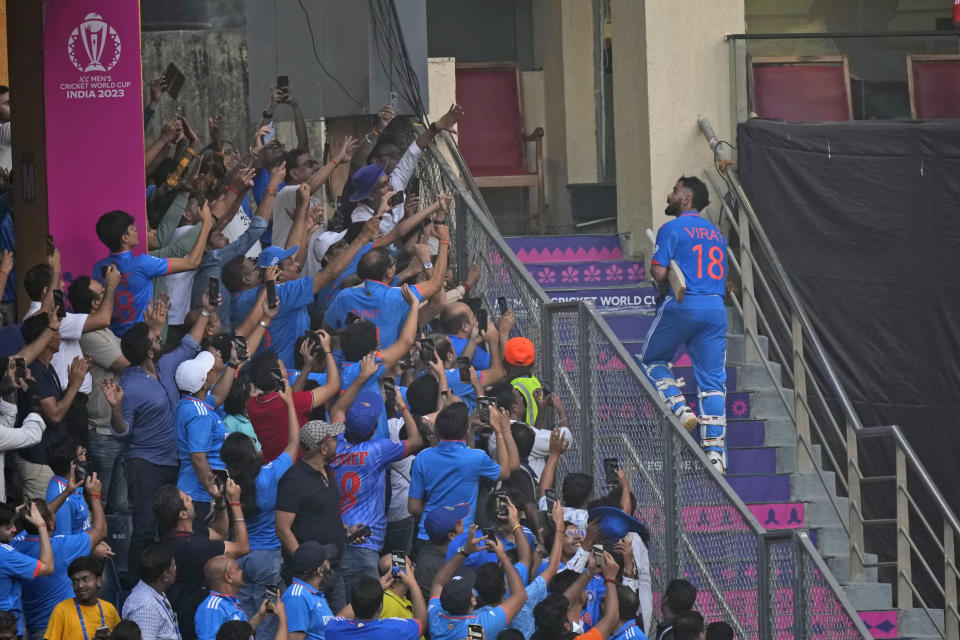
303,194
409,296
78,370
384,117
347,150
113,276
277,174
448,121
558,444
112,391
157,86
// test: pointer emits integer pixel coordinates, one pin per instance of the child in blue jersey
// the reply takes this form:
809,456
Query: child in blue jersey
360,465
15,566
304,600
700,322
73,516
118,231
366,600
200,431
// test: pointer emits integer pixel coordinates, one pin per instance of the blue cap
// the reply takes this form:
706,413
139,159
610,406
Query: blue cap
442,520
364,415
615,523
273,255
364,180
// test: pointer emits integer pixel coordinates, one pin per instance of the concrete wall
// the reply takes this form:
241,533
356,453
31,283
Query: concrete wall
670,66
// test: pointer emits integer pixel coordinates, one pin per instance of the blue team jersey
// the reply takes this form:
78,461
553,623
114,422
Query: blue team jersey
480,360
362,482
326,295
377,302
349,371
628,631
261,529
40,596
307,610
135,288
449,473
73,516
595,591
14,567
383,629
291,321
216,609
463,390
524,621
698,248
199,430
444,626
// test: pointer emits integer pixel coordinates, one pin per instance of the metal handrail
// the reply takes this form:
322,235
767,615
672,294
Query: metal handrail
809,346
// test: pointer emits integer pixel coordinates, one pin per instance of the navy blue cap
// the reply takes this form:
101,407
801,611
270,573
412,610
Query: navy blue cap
273,255
364,180
442,520
615,523
364,415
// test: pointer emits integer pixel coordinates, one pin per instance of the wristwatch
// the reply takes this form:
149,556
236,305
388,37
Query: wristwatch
463,552
428,265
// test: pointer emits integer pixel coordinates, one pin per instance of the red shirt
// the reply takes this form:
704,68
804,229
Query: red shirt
268,415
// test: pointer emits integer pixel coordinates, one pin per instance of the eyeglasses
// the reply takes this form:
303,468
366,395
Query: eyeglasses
575,533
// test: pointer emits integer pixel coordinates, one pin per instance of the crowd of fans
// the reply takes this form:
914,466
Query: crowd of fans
314,429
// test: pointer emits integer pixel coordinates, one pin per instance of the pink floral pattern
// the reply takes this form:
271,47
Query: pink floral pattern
546,276
635,272
570,275
591,274
739,408
614,273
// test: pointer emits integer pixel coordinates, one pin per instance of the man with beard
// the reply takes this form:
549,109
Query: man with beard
304,600
699,323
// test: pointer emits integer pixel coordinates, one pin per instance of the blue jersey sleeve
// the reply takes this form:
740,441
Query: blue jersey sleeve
666,248
332,317
417,489
386,451
273,471
485,467
207,621
493,621
152,267
298,611
296,293
399,628
17,565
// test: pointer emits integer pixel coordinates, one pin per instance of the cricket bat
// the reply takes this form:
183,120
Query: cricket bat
674,276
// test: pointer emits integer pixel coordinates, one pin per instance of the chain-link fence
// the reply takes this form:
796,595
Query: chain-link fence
700,530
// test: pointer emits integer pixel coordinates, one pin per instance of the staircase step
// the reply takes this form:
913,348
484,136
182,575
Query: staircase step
780,515
881,624
840,567
915,623
599,272
772,487
871,595
738,404
742,433
756,461
636,298
565,248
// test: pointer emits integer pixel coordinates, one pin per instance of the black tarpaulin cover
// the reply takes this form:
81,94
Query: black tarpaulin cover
865,217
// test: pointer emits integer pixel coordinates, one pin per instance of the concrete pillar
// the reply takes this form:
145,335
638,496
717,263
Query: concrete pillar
671,65
563,47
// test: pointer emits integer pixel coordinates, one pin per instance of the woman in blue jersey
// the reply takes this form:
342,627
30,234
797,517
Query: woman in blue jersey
258,485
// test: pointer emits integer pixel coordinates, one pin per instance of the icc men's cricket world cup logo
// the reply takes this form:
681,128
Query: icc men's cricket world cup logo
98,40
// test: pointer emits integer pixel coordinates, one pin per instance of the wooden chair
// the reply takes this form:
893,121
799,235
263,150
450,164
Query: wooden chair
801,89
491,134
934,83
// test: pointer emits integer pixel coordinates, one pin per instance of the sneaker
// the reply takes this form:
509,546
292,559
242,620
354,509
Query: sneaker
688,419
717,460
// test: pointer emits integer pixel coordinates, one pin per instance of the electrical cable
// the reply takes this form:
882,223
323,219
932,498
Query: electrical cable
316,54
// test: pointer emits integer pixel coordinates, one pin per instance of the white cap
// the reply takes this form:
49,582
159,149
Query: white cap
191,374
326,240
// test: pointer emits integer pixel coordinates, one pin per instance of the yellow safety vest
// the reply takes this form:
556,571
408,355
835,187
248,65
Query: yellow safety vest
526,387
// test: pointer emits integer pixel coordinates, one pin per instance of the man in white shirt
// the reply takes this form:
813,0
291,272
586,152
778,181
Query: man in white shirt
40,282
11,438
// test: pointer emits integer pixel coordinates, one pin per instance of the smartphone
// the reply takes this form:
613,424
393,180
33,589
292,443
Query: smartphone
482,319
271,293
103,273
503,507
271,133
213,289
396,199
272,592
58,301
82,471
598,553
474,632
551,497
413,186
240,342
610,468
20,370
363,532
502,305
428,352
277,378
464,365
394,101
283,82
483,405
399,561
389,391
174,79
221,476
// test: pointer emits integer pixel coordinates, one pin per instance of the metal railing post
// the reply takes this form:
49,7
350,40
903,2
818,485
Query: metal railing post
546,335
460,242
800,594
585,365
746,282
904,570
670,507
951,626
804,450
855,522
764,619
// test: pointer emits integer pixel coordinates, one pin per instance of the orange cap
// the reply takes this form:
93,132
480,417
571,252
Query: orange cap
519,352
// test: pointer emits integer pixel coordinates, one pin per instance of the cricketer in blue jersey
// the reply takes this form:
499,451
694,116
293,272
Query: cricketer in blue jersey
360,464
699,322
118,231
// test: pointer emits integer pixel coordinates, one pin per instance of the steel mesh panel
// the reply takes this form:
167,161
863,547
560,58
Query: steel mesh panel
824,617
567,383
716,546
780,580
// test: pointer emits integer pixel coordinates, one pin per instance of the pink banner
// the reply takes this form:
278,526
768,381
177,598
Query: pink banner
94,123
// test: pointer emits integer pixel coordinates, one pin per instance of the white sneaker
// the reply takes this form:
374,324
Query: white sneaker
718,460
688,419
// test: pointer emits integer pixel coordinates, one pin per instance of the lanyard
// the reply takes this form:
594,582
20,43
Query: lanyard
83,627
168,609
